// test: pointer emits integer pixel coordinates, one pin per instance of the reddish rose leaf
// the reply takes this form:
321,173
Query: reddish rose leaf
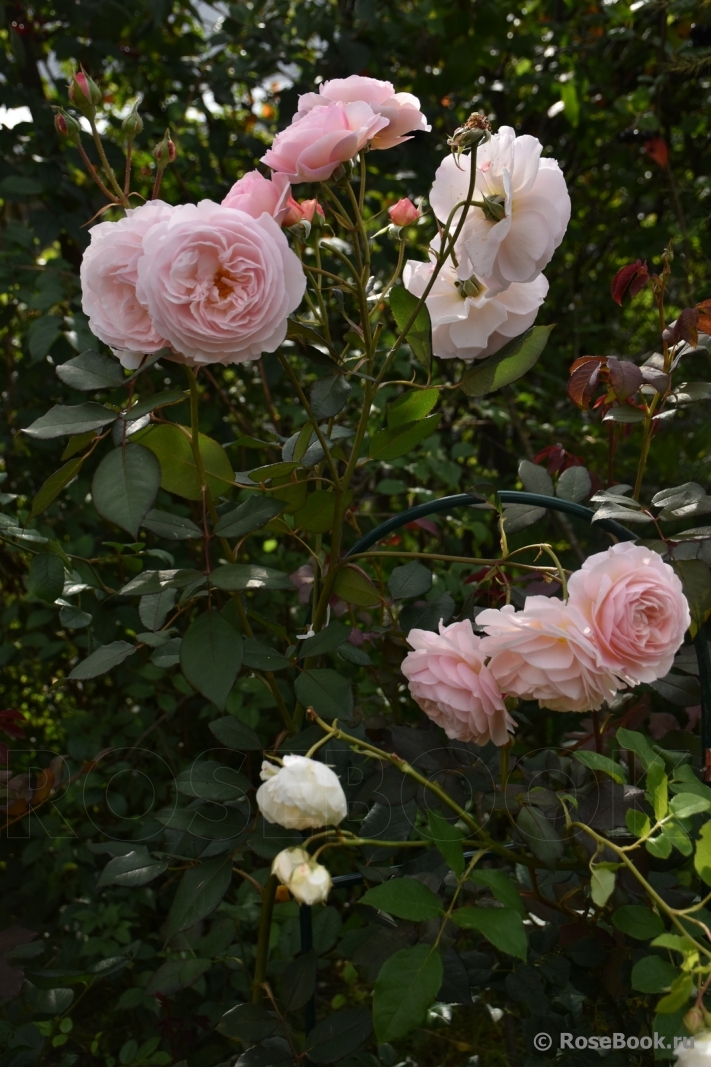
557,458
633,277
704,310
14,936
686,328
585,374
9,719
656,378
625,377
657,149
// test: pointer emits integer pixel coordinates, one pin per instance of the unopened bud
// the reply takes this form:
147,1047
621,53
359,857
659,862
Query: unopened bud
310,883
294,213
694,1020
312,211
476,129
404,213
164,152
132,125
85,94
67,126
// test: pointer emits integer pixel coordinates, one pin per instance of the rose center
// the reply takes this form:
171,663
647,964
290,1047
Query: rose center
224,282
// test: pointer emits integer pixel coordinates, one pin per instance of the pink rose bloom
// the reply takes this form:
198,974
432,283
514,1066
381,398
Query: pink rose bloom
219,284
546,653
635,606
109,273
402,110
404,213
318,141
448,679
254,194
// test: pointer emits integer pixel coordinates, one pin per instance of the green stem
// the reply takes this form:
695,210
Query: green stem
307,408
265,927
106,165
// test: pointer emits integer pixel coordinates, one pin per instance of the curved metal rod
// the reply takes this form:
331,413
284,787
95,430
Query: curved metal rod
507,496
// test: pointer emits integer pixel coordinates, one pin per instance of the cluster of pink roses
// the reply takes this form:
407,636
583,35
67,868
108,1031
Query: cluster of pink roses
623,621
215,283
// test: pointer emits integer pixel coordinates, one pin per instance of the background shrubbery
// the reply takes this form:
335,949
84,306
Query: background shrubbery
621,99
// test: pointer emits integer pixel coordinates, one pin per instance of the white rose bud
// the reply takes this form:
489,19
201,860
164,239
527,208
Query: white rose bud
301,795
287,861
310,883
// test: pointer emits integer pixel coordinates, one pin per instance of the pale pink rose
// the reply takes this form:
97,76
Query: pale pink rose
109,273
318,141
635,605
402,110
254,194
448,679
528,192
219,284
404,213
473,326
546,652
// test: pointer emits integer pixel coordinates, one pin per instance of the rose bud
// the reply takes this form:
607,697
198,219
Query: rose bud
312,211
85,94
694,1020
404,213
310,883
132,125
67,126
301,794
294,214
286,862
164,152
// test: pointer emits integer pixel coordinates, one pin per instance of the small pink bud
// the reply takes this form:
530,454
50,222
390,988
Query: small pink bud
165,152
60,124
67,126
84,93
309,208
404,213
294,214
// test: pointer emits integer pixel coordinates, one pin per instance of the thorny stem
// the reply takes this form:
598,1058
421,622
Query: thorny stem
265,925
123,199
93,173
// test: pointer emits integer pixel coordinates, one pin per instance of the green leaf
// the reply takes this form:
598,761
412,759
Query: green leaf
101,661
326,640
412,406
406,986
318,512
273,470
682,988
508,365
62,421
153,402
262,657
327,691
404,897
675,942
393,443
696,580
702,855
211,656
78,443
125,485
210,780
574,484
355,587
597,762
503,927
502,887
412,579
653,974
254,513
602,885
637,822
42,334
154,608
427,616
638,922
171,445
448,839
51,489
419,336
249,1022
658,790
339,1035
541,835
235,576
298,981
15,185
200,891
535,478
45,578
172,527
684,805
73,618
171,976
91,370
133,870
235,734
329,396
637,743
